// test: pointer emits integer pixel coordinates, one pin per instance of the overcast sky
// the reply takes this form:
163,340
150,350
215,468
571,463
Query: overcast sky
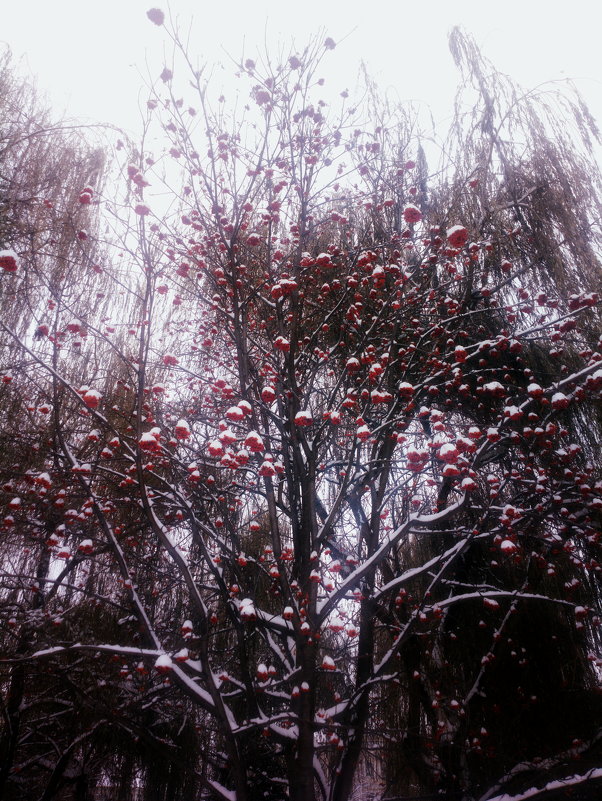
89,55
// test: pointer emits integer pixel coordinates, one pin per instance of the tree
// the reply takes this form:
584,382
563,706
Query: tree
48,175
331,457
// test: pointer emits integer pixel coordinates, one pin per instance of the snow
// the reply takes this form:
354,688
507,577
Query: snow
44,480
491,595
273,621
557,784
247,609
416,571
291,733
163,662
338,709
262,671
48,652
414,520
227,795
9,261
201,695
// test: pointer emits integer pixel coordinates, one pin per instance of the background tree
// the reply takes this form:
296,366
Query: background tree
329,461
49,176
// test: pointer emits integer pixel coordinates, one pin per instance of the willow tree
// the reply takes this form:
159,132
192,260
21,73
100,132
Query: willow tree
65,726
334,467
49,174
521,173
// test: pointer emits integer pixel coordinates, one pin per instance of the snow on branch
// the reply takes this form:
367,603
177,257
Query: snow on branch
567,784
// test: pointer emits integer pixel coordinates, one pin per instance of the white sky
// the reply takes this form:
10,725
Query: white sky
89,55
